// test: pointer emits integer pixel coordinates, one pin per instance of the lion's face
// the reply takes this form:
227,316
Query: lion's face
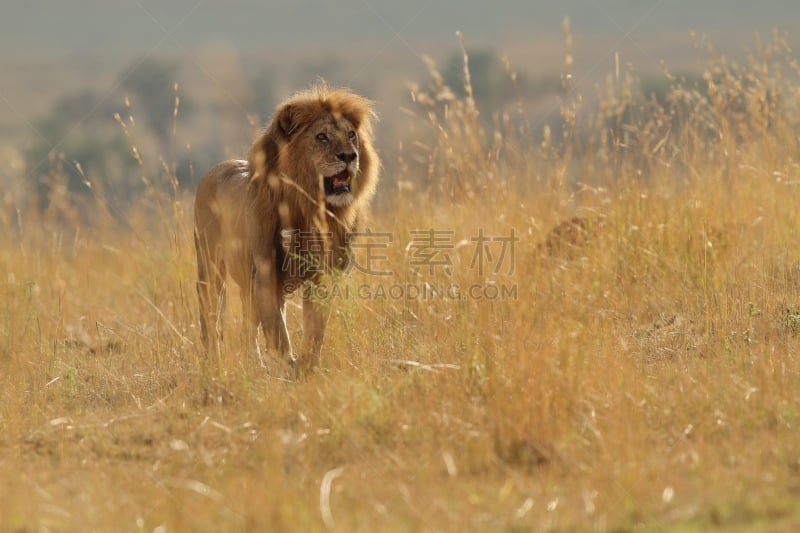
332,145
322,141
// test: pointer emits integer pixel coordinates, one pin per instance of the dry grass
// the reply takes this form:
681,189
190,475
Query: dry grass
646,377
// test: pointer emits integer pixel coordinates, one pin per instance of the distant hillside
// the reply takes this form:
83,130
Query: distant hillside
238,56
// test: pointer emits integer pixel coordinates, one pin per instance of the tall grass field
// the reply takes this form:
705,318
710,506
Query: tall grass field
592,324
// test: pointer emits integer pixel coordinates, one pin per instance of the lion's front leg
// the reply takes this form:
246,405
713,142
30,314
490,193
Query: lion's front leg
315,319
271,309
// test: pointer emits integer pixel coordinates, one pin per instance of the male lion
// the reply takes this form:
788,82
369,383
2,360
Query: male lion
285,216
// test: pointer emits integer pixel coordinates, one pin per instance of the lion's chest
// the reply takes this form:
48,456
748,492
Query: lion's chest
305,254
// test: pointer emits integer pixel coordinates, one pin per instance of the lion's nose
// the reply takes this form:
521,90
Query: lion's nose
347,158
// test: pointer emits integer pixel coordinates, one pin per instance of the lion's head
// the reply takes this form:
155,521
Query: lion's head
322,141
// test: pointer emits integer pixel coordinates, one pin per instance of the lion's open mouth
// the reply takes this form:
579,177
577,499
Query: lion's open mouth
338,183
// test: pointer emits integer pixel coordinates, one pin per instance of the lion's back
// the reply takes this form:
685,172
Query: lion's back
223,176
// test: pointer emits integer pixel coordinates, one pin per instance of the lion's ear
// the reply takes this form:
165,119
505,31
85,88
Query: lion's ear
286,121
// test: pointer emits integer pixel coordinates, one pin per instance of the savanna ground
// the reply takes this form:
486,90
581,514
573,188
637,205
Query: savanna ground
636,368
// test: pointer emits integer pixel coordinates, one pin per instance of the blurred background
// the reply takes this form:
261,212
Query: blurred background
89,90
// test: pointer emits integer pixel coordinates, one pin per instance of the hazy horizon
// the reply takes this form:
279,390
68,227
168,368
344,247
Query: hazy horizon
41,26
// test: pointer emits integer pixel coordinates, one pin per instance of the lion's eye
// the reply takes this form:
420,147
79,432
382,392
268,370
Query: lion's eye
351,135
321,137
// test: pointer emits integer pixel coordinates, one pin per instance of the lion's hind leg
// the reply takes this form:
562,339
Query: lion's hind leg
211,273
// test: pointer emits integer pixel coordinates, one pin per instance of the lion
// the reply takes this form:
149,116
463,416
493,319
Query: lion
569,237
284,218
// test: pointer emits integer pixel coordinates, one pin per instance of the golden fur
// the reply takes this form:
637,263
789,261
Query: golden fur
284,217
